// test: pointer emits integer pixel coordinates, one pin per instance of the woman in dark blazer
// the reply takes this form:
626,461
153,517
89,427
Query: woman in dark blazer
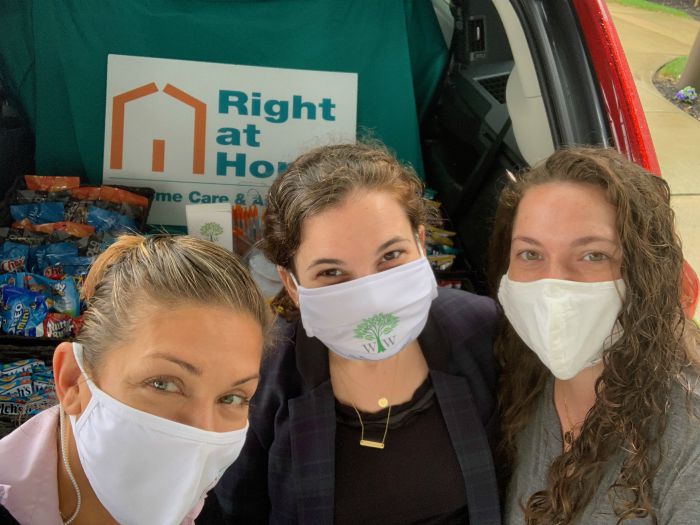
378,403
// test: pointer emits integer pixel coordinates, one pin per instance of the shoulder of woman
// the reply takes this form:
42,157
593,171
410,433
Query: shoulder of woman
683,424
279,377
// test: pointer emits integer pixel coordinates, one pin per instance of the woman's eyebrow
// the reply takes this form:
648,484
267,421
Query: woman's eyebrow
245,380
336,262
528,240
591,239
391,241
189,367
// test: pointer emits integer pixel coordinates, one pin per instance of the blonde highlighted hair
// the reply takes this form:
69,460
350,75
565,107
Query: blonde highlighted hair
137,274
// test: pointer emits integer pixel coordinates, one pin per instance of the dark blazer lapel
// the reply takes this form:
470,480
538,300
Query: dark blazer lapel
471,445
312,434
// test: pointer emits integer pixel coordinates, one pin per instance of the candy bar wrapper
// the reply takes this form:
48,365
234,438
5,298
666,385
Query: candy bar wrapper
60,326
40,183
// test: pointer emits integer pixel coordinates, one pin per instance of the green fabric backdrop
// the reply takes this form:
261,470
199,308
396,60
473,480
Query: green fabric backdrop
53,54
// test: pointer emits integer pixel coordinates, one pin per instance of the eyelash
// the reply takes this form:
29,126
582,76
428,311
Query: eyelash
521,255
151,383
327,272
244,400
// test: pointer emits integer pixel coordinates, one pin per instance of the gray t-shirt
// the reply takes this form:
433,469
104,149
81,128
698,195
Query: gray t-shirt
676,485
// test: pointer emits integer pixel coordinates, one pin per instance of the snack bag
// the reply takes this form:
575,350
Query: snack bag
60,295
23,312
110,221
111,194
59,326
24,366
95,244
38,213
43,382
86,193
73,228
16,385
22,236
60,248
35,182
14,258
12,279
77,211
63,266
33,196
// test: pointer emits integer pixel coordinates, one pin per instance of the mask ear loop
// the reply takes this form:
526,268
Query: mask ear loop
78,354
419,244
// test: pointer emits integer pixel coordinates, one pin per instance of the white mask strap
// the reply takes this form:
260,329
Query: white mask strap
420,246
79,358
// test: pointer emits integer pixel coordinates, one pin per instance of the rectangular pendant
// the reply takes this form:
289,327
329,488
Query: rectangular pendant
371,444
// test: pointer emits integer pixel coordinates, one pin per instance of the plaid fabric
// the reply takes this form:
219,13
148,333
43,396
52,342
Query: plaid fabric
286,472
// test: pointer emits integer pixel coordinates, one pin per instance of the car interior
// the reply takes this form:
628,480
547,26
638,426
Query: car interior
487,118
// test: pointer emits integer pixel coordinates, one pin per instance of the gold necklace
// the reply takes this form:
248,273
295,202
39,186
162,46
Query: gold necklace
382,401
368,442
569,434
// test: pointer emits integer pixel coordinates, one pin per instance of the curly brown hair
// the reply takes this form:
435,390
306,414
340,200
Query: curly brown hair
633,390
322,178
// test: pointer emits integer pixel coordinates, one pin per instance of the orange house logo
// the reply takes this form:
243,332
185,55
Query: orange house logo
119,102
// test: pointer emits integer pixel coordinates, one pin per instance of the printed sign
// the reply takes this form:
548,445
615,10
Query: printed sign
202,133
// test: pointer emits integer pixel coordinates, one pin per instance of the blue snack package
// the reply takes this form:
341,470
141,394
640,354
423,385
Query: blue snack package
38,212
17,385
15,257
61,266
12,279
61,295
110,221
23,312
59,248
24,366
95,244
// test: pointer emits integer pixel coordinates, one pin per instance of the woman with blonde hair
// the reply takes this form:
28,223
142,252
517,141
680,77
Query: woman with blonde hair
153,394
599,391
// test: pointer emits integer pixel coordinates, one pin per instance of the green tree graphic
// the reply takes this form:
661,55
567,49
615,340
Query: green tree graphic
211,231
375,327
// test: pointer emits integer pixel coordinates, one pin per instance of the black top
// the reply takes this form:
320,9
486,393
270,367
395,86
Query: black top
416,478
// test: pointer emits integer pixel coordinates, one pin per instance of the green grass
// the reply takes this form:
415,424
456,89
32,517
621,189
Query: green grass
651,6
674,68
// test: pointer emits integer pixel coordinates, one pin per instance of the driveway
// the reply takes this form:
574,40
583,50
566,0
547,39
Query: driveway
650,40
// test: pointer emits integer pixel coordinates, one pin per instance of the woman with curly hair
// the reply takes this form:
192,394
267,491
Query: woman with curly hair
598,394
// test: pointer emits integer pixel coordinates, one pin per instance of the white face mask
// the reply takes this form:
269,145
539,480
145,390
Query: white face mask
373,317
567,324
144,468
